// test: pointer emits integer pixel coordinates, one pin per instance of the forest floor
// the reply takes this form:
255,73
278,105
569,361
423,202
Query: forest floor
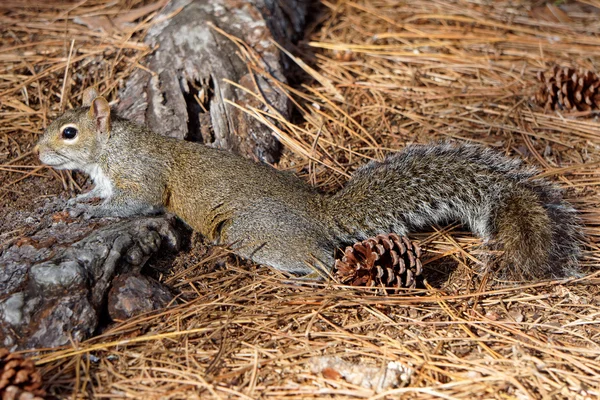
377,75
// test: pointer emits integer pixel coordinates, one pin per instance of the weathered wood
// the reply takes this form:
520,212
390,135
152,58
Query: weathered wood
184,97
132,294
53,282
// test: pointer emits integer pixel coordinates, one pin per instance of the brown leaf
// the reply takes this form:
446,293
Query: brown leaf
330,373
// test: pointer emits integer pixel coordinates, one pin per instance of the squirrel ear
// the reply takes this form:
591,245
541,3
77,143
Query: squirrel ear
100,113
89,95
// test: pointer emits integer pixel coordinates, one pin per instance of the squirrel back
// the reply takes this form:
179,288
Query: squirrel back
274,218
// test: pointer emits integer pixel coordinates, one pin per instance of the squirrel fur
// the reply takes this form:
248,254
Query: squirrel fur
274,218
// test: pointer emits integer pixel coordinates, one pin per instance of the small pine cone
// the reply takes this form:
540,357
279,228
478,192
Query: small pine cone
385,260
19,379
564,88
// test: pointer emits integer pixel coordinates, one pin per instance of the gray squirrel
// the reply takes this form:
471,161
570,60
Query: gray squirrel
276,219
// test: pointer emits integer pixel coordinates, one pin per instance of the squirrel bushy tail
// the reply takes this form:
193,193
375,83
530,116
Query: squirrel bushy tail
497,197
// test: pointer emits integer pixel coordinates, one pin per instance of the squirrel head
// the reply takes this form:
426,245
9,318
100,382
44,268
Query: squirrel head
76,138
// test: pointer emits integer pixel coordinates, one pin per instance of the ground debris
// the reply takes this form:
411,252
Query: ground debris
391,375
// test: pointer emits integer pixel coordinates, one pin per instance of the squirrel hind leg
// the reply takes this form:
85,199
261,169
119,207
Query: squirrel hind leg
268,232
286,258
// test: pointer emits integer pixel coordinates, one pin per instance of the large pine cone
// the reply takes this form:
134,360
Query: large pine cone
390,260
565,88
19,379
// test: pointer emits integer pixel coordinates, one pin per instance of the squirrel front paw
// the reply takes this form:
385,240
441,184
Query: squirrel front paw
75,209
73,202
83,198
114,207
88,211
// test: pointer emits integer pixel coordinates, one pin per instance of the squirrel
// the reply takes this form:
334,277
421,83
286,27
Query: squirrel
275,218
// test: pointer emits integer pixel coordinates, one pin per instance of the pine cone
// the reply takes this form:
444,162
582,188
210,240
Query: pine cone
565,88
385,260
19,379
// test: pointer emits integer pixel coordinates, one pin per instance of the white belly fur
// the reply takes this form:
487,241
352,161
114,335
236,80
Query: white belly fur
103,187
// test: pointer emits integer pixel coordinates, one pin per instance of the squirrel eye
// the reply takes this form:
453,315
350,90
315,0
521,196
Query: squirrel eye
69,132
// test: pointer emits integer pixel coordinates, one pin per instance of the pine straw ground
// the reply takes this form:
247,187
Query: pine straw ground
386,73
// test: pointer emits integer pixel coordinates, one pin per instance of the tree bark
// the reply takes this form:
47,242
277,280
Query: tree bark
184,97
54,280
